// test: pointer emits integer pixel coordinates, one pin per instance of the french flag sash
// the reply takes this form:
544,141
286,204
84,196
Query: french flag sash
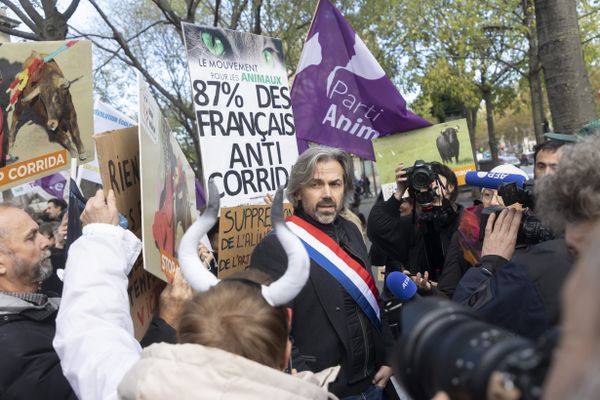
347,271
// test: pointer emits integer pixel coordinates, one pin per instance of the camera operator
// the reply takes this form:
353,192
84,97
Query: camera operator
417,241
464,251
518,290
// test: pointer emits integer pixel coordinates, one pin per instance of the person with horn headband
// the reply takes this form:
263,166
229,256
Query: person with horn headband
233,338
336,318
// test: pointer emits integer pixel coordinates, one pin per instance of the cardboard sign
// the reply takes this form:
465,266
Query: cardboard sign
240,230
448,143
119,161
167,189
118,158
46,107
243,112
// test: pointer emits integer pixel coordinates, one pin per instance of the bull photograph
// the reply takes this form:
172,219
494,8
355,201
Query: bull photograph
448,145
441,143
46,102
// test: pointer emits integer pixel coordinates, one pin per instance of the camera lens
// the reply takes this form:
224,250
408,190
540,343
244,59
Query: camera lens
445,347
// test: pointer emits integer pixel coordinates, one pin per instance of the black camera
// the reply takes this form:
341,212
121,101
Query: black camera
420,176
444,346
512,194
531,229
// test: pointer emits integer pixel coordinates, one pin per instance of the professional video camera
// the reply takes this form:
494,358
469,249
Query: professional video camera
513,189
511,193
531,229
443,346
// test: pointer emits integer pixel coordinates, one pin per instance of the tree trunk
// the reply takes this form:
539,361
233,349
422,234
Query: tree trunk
471,114
534,73
569,90
256,9
489,115
537,104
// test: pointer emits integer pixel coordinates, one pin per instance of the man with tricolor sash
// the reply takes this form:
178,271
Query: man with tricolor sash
336,317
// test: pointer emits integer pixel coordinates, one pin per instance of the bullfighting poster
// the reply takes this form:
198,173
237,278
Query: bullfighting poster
167,189
448,143
243,112
46,106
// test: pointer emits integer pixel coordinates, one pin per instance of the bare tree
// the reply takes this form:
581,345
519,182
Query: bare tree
51,26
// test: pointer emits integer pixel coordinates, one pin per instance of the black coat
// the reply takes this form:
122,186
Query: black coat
29,366
398,242
522,295
323,333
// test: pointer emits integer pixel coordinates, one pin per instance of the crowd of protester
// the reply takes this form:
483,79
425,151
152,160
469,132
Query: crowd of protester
305,321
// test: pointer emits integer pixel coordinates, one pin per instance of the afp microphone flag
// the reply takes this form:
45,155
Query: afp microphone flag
341,96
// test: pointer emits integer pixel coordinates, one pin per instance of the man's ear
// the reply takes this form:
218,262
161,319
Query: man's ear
450,188
3,264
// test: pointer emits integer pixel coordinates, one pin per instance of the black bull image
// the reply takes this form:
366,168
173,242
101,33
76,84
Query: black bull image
448,145
47,95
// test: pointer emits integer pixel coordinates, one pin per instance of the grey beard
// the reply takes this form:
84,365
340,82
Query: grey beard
36,273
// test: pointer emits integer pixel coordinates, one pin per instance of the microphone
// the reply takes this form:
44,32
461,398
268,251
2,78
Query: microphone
492,180
401,286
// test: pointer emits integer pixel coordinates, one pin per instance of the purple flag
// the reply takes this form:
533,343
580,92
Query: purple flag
341,96
53,184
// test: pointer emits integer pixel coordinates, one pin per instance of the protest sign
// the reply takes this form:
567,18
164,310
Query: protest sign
118,159
448,143
240,230
46,97
243,112
167,189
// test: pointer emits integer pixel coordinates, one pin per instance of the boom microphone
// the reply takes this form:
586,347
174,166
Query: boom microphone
492,180
401,286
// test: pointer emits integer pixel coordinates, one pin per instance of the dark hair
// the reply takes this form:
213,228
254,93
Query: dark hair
550,145
59,203
47,229
572,194
450,176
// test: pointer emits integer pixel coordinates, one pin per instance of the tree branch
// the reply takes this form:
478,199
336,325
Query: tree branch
71,9
22,16
18,33
134,62
31,11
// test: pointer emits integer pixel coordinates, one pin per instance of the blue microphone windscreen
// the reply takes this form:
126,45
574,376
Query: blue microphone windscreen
492,180
401,286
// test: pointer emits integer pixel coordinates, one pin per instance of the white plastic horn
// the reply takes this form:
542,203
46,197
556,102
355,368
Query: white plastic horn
286,288
194,272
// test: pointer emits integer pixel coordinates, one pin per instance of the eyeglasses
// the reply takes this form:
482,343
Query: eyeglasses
489,196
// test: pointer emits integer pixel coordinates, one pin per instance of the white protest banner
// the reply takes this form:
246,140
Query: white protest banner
168,193
243,110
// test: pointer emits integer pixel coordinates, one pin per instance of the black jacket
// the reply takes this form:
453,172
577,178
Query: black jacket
522,295
401,241
328,328
29,366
